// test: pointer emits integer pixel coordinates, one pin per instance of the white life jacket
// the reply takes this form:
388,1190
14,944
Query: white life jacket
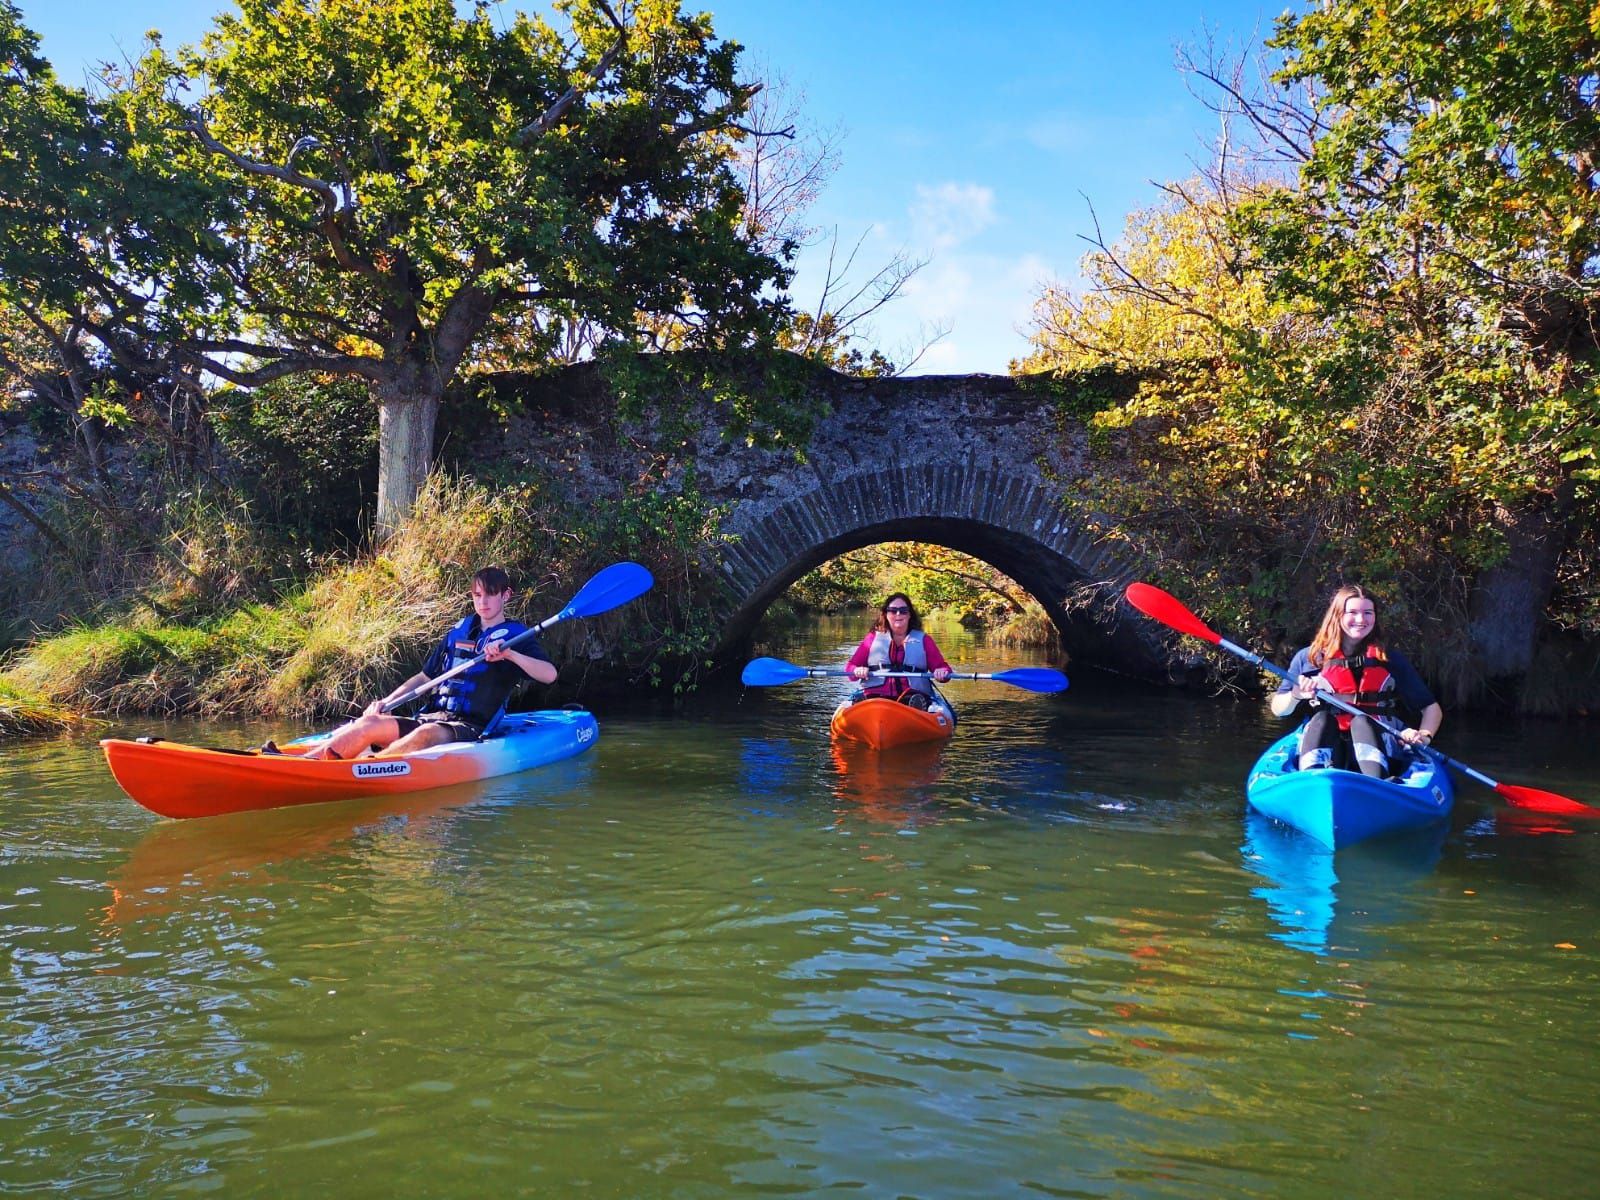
916,659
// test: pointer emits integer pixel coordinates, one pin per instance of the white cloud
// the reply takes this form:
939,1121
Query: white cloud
983,300
979,295
950,213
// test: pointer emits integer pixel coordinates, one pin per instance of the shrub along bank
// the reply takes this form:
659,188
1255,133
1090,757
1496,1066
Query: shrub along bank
329,644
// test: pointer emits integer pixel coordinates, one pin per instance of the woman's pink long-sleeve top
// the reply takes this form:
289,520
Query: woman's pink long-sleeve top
892,688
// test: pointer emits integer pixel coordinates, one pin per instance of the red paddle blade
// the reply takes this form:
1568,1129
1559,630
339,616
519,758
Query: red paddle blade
1169,610
1545,802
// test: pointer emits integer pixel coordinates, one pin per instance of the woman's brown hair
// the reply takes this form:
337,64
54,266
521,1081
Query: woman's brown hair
881,625
1329,640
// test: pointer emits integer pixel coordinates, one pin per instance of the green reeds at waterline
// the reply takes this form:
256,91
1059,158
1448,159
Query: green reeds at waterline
30,716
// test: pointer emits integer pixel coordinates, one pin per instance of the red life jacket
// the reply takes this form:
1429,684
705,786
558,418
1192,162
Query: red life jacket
1363,680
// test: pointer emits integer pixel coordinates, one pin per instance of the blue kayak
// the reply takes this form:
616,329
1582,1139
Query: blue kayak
1339,808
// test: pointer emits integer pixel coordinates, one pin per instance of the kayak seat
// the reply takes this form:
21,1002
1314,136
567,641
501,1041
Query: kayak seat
490,729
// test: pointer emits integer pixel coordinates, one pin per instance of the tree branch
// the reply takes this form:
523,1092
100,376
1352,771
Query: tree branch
327,196
23,509
546,121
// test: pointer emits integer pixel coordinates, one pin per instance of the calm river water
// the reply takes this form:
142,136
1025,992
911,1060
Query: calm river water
714,957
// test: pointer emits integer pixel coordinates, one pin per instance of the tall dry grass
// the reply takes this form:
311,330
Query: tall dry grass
322,650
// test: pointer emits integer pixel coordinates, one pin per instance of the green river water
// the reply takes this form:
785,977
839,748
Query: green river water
714,958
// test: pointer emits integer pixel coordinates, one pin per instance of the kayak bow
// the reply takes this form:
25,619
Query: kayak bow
883,723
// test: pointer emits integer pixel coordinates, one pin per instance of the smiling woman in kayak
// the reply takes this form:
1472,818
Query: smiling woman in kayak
466,703
1348,658
897,643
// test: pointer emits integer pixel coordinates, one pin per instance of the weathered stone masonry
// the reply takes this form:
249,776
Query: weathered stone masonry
972,462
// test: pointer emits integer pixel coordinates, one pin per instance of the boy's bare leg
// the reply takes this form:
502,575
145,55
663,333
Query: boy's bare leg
351,739
429,733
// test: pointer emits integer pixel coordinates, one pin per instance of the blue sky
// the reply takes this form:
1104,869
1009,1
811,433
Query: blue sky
974,136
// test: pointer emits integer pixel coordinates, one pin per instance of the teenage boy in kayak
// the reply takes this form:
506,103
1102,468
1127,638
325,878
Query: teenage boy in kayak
466,703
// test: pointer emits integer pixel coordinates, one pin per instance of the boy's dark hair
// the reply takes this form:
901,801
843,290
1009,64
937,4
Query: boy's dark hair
492,580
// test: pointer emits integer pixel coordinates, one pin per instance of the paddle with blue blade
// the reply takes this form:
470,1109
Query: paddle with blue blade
608,589
1169,610
769,672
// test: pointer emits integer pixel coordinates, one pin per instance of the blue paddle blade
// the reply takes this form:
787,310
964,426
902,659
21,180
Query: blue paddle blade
1034,679
614,586
769,672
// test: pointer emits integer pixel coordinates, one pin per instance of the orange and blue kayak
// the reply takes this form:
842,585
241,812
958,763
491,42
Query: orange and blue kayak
176,780
883,723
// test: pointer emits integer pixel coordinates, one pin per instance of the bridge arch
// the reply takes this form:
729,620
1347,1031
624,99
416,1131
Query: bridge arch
1009,519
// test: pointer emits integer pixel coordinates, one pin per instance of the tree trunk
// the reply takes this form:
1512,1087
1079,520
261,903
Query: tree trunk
408,409
1509,599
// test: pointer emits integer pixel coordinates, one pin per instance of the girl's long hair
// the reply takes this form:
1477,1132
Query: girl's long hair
881,625
1329,640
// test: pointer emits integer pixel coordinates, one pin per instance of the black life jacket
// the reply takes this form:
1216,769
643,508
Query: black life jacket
461,696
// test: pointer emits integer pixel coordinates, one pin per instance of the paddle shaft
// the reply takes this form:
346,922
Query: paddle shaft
841,672
424,688
1333,701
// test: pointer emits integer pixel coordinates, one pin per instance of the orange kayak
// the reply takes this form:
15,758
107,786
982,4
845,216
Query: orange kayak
192,781
884,723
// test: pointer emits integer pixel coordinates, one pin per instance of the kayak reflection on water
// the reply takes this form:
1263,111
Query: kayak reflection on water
179,864
893,786
1327,902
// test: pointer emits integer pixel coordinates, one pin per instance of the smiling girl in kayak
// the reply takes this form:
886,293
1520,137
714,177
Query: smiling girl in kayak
897,643
1348,659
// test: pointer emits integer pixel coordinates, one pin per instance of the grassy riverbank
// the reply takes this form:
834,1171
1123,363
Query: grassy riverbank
329,643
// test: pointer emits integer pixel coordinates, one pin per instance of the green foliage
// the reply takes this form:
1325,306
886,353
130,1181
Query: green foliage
117,667
385,190
847,582
671,528
1456,158
1366,375
307,450
937,578
441,188
1448,224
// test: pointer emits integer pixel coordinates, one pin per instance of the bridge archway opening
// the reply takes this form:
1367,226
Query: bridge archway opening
1063,589
954,585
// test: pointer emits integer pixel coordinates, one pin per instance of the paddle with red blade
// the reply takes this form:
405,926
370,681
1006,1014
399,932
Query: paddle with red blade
1169,610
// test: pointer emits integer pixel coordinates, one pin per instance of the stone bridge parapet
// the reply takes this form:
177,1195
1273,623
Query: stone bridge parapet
977,463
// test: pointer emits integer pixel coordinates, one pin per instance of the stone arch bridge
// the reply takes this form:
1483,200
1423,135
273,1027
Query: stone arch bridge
974,462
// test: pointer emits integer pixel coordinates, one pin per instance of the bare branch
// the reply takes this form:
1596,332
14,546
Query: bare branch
327,196
547,120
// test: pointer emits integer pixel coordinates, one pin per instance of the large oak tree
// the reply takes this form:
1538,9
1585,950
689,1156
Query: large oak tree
407,180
